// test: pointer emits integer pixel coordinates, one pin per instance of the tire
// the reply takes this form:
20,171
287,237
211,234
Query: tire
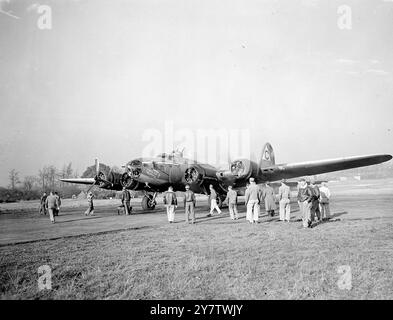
146,203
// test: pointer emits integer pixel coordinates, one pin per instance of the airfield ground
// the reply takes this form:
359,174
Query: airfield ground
141,256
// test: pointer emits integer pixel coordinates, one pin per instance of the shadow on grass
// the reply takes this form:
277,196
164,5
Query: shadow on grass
337,214
82,218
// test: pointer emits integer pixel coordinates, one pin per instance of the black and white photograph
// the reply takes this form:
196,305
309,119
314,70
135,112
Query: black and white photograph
208,151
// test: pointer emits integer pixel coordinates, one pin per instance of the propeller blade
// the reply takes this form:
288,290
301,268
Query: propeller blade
91,187
97,163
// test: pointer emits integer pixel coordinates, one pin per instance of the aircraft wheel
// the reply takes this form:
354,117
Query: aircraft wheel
148,203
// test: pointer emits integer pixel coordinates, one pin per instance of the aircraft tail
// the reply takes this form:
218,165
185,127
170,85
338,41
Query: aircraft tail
267,157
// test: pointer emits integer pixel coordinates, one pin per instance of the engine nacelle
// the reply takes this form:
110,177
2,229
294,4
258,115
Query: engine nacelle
128,182
112,181
197,174
244,168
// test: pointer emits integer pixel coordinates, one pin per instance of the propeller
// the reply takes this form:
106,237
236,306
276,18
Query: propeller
97,164
99,177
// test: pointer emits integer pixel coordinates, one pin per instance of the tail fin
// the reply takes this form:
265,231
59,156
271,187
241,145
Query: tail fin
267,157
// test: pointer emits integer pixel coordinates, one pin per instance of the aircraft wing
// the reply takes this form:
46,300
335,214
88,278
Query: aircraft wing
79,180
293,170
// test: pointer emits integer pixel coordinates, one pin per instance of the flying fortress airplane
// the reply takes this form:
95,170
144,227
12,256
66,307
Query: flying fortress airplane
155,175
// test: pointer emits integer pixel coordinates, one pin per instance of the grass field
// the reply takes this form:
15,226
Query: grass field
264,261
214,259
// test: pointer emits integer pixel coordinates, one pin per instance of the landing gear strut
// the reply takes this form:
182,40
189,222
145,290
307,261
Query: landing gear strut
149,201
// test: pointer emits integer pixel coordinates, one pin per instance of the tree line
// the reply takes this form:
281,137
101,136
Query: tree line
47,179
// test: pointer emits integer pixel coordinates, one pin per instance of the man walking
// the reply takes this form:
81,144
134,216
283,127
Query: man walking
231,199
51,204
189,204
253,199
213,201
90,209
284,196
126,201
170,201
304,197
270,202
43,207
324,201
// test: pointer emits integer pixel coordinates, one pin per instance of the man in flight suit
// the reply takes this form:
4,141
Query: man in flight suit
43,207
189,204
304,198
315,201
252,200
170,201
90,209
284,196
126,200
231,199
269,197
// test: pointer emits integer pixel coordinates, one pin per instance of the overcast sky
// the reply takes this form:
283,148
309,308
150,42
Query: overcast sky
109,70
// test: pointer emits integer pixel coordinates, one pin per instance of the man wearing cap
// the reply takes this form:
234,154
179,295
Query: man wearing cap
213,201
170,201
126,201
304,197
284,196
253,199
90,209
231,199
189,204
324,201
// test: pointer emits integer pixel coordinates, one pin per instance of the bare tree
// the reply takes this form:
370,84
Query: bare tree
52,174
14,178
28,182
42,175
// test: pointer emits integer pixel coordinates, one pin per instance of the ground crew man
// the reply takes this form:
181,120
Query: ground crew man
90,209
51,204
304,197
126,201
56,212
189,204
284,196
315,201
231,199
170,201
43,207
324,201
213,201
270,202
253,199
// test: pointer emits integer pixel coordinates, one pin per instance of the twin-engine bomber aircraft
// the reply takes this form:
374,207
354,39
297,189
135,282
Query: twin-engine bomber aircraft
155,175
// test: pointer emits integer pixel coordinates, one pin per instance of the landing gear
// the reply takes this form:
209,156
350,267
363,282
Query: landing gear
149,201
